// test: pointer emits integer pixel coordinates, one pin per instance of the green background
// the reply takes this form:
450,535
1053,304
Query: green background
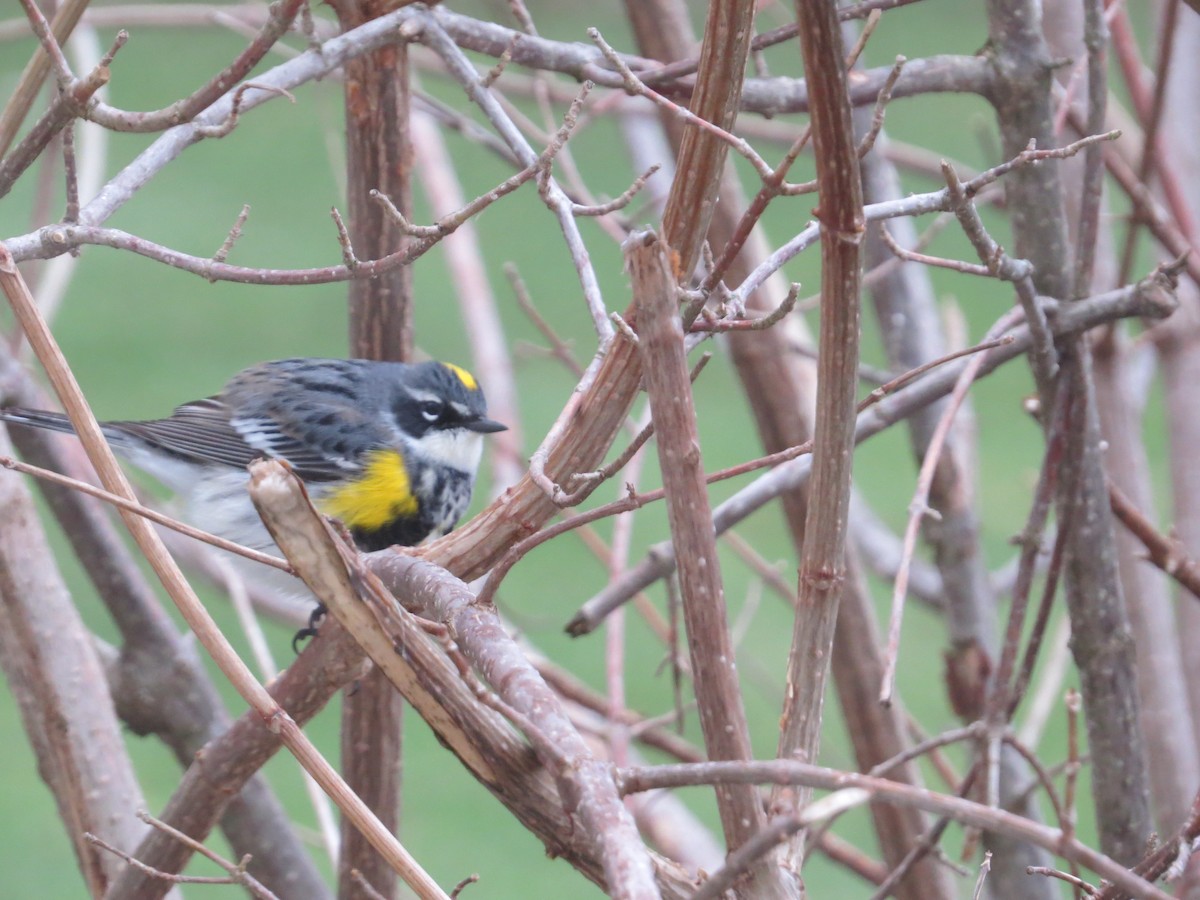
143,337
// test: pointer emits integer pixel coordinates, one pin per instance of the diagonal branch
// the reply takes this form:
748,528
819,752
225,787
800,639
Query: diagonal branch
358,600
560,204
177,586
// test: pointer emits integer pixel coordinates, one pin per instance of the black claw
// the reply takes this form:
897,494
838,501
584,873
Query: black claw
310,630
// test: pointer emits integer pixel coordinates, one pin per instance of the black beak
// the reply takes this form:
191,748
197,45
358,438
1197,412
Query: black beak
485,425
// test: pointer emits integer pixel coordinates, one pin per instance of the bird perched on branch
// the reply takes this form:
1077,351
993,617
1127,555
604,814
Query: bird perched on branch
391,449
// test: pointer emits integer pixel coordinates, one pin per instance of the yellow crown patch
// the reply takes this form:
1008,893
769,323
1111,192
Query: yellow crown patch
464,376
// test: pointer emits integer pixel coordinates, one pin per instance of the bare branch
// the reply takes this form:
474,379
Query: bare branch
780,771
722,715
620,202
216,89
222,129
1078,883
1044,358
237,873
49,42
21,99
50,659
823,566
234,233
919,508
69,104
168,572
635,86
153,515
460,67
759,324
331,570
1153,296
914,205
1165,552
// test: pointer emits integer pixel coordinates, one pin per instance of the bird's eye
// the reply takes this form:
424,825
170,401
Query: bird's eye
431,410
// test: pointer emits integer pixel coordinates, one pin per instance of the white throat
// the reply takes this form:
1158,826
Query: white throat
458,447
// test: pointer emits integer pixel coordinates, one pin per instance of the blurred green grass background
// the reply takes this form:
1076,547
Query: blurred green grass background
143,337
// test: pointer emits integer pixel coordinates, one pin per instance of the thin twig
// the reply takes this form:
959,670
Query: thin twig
1167,553
919,508
603,209
49,43
1074,704
558,346
348,257
1078,883
221,129
462,885
70,172
213,91
911,256
1042,619
919,204
637,87
1043,358
237,873
885,95
235,876
779,771
23,95
965,733
1000,701
758,324
929,843
68,104
461,68
1091,189
153,515
984,868
234,234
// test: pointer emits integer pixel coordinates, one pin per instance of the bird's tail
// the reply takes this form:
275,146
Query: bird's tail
37,418
56,421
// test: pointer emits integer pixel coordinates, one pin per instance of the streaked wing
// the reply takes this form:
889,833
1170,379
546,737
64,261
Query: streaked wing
199,431
311,462
203,432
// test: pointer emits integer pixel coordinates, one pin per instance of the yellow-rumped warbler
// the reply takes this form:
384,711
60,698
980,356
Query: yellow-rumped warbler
390,449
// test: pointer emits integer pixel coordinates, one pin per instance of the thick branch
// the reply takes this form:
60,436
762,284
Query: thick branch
1101,640
722,715
701,157
378,158
51,664
822,561
358,600
227,762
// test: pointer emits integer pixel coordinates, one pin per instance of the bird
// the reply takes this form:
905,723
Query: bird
391,449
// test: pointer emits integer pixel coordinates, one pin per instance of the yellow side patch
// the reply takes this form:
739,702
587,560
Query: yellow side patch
464,376
379,496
